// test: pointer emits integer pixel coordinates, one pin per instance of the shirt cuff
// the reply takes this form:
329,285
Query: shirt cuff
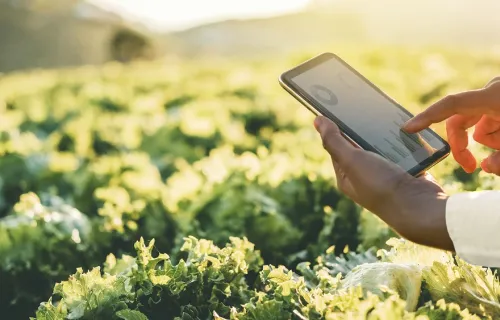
473,223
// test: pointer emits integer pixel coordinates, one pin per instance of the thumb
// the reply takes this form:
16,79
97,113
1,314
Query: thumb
333,141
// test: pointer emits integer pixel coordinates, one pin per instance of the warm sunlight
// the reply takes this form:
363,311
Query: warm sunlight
172,14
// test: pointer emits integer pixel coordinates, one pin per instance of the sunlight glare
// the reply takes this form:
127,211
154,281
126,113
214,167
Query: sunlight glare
174,14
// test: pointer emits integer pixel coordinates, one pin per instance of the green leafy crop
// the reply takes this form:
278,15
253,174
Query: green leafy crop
38,245
226,172
219,283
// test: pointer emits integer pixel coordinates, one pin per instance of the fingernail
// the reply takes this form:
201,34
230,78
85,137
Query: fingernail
407,125
317,122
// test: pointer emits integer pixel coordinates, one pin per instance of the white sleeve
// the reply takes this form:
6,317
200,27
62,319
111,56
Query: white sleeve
473,222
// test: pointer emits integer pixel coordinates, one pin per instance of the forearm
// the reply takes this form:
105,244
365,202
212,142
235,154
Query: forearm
419,215
466,223
428,222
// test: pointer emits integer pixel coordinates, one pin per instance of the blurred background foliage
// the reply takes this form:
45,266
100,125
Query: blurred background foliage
123,132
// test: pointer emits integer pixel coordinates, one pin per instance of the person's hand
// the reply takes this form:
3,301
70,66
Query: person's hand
479,108
413,207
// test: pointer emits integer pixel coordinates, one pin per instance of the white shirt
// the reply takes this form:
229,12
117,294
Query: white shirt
473,222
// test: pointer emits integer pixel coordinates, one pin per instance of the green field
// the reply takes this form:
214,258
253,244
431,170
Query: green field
223,169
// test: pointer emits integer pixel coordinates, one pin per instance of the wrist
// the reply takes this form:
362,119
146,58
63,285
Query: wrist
429,220
420,215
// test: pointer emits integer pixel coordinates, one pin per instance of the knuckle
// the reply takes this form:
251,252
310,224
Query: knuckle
495,81
495,159
492,87
478,137
324,144
495,169
494,163
494,91
329,131
328,135
451,100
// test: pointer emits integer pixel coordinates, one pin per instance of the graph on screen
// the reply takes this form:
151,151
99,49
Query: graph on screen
402,143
